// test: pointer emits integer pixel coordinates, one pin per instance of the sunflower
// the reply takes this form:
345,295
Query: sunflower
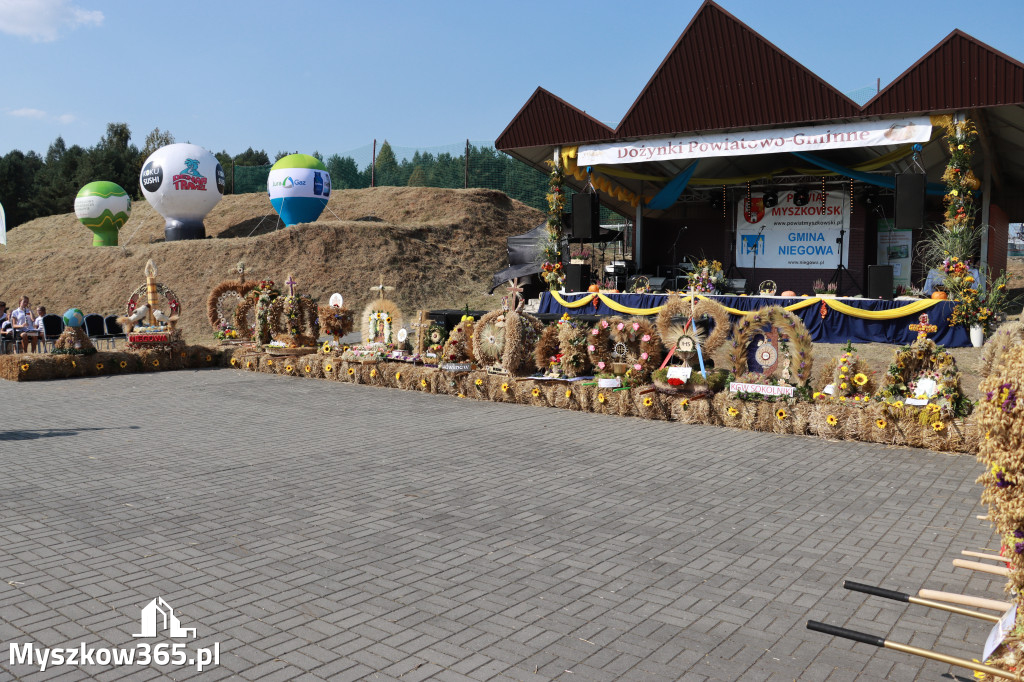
270,363
288,368
504,388
373,372
478,382
124,363
860,378
328,368
24,368
842,385
568,393
308,369
535,392
600,397
880,423
780,414
233,362
99,365
352,370
683,402
938,426
462,395
248,364
209,358
733,412
326,347
75,364
831,420
398,375
648,402
182,355
423,383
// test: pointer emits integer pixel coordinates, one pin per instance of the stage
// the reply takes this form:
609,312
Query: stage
829,320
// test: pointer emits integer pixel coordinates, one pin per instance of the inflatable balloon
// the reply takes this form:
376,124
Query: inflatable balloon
299,186
74,317
104,208
183,182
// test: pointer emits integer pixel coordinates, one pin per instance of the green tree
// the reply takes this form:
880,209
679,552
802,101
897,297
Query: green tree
17,181
386,171
418,177
251,157
344,172
114,159
154,140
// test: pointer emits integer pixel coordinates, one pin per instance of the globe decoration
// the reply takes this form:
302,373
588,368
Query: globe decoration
183,182
299,186
104,208
74,317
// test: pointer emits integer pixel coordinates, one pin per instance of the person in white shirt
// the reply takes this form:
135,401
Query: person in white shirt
24,326
6,330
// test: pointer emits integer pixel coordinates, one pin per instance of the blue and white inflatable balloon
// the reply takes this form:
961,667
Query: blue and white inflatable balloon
299,187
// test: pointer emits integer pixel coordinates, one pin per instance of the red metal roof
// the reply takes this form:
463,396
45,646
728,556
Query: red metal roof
958,73
546,119
722,74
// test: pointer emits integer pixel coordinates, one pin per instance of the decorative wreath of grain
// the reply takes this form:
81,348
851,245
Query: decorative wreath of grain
788,326
506,338
1008,335
220,295
631,335
908,364
459,346
572,344
306,330
435,337
380,305
546,348
139,295
671,330
255,305
335,321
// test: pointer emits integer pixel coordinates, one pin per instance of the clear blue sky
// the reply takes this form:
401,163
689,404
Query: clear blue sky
331,76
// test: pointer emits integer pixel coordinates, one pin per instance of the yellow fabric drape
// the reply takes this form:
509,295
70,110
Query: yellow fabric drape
834,304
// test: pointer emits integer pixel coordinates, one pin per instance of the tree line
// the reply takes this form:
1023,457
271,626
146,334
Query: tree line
34,185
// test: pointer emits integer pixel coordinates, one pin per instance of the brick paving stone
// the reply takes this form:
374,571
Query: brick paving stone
321,530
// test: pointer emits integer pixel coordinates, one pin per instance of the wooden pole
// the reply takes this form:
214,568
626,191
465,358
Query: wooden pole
466,165
979,555
981,568
373,163
965,600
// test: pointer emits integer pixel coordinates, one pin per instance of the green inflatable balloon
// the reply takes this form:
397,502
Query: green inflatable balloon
103,207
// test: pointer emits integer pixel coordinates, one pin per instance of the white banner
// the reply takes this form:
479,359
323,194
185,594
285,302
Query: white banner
3,226
791,236
773,141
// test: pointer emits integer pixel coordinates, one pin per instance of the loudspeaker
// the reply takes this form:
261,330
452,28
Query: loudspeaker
584,217
577,277
909,201
879,283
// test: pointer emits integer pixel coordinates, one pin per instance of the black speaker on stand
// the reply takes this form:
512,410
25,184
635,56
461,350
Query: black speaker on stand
910,189
577,277
585,220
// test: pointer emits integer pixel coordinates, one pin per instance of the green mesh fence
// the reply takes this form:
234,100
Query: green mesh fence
246,179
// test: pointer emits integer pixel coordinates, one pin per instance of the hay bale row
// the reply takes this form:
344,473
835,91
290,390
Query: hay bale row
44,367
872,422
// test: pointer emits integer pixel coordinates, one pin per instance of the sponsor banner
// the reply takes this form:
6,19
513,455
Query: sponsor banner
791,236
895,248
763,389
772,141
294,183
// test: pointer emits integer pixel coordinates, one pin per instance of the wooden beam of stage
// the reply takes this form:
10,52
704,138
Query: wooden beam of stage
965,600
874,640
983,568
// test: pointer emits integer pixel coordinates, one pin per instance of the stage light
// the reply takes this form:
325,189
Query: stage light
770,198
716,202
801,197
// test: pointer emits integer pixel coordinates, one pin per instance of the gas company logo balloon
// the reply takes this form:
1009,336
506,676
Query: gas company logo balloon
299,187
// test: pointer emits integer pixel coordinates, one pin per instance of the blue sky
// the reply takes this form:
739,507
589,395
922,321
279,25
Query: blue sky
331,76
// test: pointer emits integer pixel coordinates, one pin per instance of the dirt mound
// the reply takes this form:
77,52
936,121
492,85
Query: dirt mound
437,247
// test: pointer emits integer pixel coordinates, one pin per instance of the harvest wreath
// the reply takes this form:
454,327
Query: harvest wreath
629,347
780,324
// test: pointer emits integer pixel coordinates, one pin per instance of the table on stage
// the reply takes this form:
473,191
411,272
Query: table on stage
829,320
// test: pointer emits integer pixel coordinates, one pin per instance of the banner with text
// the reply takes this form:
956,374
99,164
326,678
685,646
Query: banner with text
791,236
895,248
773,141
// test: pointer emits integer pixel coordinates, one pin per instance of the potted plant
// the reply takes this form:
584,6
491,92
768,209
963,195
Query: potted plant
975,308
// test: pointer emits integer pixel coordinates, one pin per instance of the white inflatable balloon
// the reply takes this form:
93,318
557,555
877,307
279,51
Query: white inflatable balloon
183,182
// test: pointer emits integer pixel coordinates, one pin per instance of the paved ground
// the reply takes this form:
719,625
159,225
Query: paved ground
323,530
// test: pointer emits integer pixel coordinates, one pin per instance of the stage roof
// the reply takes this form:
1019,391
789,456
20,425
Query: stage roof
722,76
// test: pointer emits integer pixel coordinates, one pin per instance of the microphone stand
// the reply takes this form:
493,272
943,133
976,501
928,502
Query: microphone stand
675,258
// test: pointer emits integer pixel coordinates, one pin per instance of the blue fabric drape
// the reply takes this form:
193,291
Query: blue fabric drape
835,327
933,188
670,192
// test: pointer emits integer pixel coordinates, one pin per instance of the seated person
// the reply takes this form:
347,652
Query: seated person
6,331
24,328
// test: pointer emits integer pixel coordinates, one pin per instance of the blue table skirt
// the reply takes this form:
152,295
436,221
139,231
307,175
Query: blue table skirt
835,327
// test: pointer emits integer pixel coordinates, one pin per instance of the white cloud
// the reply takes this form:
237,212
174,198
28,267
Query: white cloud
66,118
28,113
44,20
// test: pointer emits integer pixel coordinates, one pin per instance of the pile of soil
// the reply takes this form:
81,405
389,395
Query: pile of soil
437,247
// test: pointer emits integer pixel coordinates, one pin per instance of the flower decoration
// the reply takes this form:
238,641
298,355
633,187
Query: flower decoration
328,368
504,388
831,420
648,402
568,393
479,382
600,398
733,411
880,423
938,426
860,378
308,369
398,376
156,363
24,367
233,362
780,414
326,348
248,364
535,392
423,383
270,363
288,368
99,365
684,403
124,363
209,358
373,372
